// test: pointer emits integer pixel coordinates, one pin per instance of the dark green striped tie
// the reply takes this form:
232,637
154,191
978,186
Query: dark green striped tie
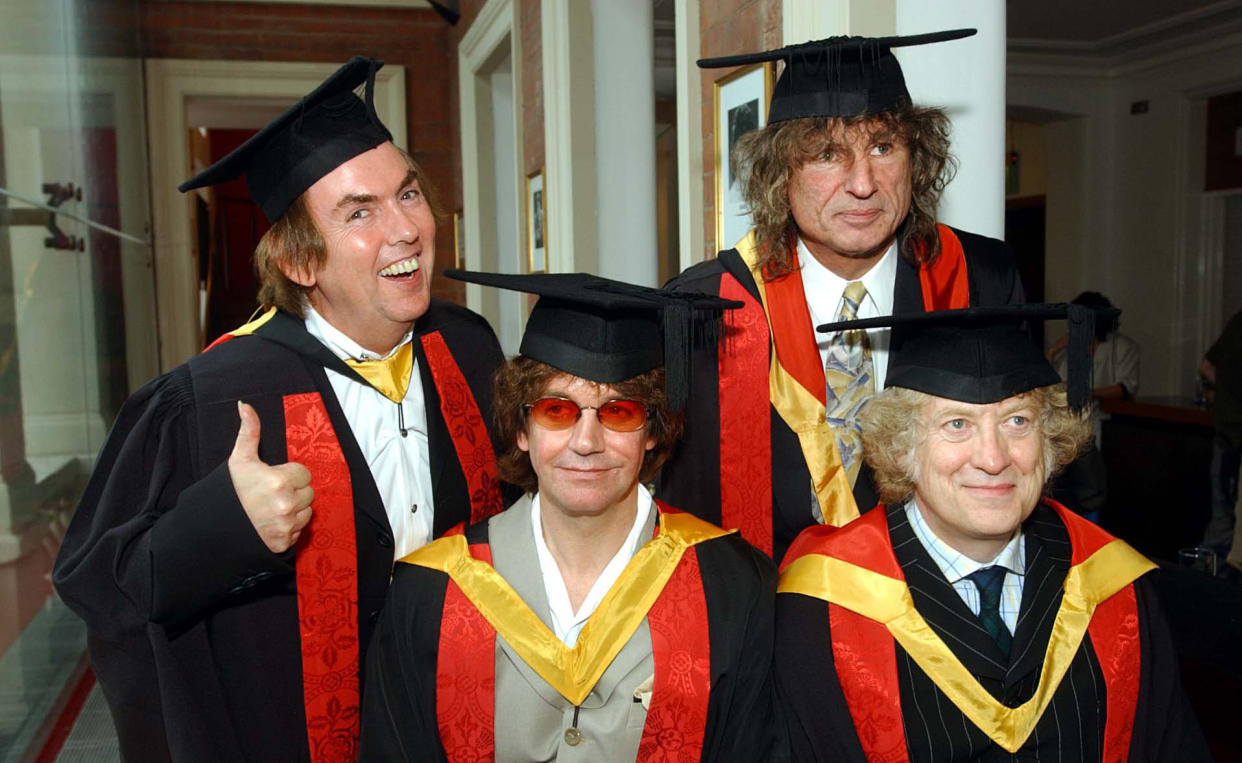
990,581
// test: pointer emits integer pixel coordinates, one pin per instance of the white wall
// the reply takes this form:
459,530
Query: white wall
1125,207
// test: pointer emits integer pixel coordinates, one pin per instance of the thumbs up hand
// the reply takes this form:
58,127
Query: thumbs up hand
277,499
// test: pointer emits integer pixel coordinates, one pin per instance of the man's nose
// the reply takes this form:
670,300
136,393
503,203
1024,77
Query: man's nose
861,179
588,434
403,225
991,453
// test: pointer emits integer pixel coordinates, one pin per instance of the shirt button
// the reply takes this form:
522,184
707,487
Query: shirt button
573,737
414,508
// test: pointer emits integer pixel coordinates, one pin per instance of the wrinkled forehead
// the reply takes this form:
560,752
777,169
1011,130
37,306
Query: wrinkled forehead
935,407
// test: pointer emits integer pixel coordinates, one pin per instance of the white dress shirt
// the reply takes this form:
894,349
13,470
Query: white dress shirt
956,566
566,623
824,290
401,466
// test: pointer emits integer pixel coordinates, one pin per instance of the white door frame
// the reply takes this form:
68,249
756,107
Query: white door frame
169,83
496,24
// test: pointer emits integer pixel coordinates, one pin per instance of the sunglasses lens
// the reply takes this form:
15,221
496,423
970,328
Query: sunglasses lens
623,415
554,412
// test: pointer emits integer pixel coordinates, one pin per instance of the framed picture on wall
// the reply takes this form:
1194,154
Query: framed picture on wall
741,104
459,248
536,225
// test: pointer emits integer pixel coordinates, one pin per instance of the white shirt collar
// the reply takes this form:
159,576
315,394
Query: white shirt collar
956,565
566,623
336,341
879,280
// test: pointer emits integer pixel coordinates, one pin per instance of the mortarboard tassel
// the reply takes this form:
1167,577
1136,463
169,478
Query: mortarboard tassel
1079,365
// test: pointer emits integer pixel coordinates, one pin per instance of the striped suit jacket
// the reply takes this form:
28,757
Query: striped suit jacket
1071,728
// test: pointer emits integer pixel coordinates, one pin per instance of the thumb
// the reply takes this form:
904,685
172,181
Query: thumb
246,447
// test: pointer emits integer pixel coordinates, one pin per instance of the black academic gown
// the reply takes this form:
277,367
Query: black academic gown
192,622
1071,728
691,478
399,710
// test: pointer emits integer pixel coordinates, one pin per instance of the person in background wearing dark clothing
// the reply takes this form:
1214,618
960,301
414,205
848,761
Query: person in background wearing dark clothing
1221,368
969,618
843,184
1083,486
1114,356
233,547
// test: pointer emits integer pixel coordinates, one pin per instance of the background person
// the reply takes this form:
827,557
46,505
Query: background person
231,552
587,622
1221,367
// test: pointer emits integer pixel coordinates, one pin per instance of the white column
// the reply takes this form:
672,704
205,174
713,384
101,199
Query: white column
625,179
967,79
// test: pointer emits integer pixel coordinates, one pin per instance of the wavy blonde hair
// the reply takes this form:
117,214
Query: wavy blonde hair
893,427
766,160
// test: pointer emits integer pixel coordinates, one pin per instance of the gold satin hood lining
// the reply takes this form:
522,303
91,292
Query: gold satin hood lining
888,601
572,672
805,415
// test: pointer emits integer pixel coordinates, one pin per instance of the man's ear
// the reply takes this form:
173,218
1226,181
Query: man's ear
302,275
522,442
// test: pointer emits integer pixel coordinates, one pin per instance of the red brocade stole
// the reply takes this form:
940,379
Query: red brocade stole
864,652
466,675
743,371
467,429
677,716
327,585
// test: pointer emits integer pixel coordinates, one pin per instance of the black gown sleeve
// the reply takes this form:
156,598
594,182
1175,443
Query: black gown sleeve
809,693
399,699
740,584
150,541
1165,726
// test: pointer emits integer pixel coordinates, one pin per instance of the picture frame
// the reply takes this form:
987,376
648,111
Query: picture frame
536,224
740,100
459,243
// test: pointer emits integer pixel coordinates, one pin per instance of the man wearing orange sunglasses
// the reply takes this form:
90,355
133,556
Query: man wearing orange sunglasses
589,621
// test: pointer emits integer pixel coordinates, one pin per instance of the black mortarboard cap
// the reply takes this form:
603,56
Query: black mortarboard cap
838,76
316,135
982,354
609,331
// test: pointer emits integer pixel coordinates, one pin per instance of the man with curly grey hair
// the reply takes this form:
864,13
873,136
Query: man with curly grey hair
843,186
970,618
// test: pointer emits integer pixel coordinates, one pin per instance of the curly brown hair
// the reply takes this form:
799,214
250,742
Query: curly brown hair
893,427
523,380
767,158
294,242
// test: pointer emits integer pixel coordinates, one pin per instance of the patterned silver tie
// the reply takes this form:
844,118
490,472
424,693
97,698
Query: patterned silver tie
850,379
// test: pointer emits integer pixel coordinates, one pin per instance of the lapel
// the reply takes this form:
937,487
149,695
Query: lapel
291,332
515,558
941,605
907,290
1048,554
445,490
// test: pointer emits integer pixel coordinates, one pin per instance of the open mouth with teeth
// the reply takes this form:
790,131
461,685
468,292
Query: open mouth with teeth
403,270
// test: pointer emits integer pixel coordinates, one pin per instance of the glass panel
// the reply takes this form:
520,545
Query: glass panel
76,314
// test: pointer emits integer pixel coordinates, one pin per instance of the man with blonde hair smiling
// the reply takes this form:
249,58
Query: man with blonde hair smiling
970,618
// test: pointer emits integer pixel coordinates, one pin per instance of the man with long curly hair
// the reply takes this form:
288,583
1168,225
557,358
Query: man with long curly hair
967,617
843,185
587,622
